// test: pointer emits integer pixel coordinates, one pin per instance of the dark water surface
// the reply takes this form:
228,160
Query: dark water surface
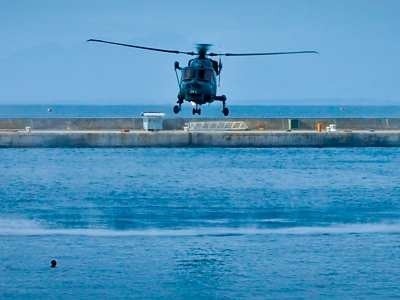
200,223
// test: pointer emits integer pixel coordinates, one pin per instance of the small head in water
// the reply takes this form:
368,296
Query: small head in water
53,263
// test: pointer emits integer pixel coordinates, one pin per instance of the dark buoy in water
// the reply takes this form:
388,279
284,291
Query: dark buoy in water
49,109
53,263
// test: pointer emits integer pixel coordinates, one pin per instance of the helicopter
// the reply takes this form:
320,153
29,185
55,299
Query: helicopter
198,81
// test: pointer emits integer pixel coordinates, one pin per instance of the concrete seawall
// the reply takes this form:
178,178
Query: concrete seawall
199,139
128,132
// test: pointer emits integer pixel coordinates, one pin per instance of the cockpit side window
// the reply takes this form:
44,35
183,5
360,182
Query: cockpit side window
188,74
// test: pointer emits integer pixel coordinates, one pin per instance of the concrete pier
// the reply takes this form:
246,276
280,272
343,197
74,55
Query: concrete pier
179,123
128,132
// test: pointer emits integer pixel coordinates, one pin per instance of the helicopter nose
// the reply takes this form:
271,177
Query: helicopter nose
195,85
194,89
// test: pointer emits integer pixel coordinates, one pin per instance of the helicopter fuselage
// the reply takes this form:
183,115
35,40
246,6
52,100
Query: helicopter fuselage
198,83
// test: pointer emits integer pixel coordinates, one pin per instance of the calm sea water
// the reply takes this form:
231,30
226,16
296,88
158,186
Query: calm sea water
200,223
213,110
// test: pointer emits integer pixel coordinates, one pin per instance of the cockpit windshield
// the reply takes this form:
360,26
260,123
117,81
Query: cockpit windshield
188,74
204,74
193,73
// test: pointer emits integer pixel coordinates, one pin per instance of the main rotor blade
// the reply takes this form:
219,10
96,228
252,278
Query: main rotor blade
261,53
142,47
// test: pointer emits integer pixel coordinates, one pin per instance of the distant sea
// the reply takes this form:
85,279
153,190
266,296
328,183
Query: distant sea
213,110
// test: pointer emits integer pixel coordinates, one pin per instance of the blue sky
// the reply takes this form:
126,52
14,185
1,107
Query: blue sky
44,57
